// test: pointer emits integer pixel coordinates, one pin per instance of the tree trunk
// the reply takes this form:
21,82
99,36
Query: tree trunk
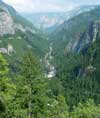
30,104
29,108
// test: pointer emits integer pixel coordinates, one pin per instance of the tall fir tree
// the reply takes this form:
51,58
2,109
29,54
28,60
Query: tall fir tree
7,90
33,87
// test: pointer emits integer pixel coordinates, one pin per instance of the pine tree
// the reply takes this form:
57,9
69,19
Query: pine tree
7,90
32,91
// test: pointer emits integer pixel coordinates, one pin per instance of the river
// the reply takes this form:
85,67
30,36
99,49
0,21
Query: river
50,70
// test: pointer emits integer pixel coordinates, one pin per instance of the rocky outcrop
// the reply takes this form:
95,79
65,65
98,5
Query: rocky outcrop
9,50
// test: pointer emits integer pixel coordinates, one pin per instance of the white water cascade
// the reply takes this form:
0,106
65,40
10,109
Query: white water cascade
50,69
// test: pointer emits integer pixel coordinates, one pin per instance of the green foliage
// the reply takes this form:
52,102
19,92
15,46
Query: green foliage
7,89
34,96
86,110
32,90
57,108
55,88
22,42
3,66
79,75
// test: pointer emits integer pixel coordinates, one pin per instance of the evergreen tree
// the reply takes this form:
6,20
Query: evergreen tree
32,90
7,90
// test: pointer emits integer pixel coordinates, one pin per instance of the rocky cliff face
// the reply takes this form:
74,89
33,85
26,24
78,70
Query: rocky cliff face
85,39
6,24
75,34
11,21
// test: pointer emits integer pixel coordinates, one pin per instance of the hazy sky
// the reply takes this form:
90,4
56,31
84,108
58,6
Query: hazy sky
48,5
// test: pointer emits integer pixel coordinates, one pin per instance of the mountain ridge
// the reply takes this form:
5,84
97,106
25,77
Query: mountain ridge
49,21
16,30
70,31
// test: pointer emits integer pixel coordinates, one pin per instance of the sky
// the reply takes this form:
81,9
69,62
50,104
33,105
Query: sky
29,6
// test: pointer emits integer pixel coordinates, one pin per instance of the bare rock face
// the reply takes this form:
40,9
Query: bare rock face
6,24
18,26
84,41
88,37
10,49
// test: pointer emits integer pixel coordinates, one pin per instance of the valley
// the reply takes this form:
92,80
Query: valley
50,63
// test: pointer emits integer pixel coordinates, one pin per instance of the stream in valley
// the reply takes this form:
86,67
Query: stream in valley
50,70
